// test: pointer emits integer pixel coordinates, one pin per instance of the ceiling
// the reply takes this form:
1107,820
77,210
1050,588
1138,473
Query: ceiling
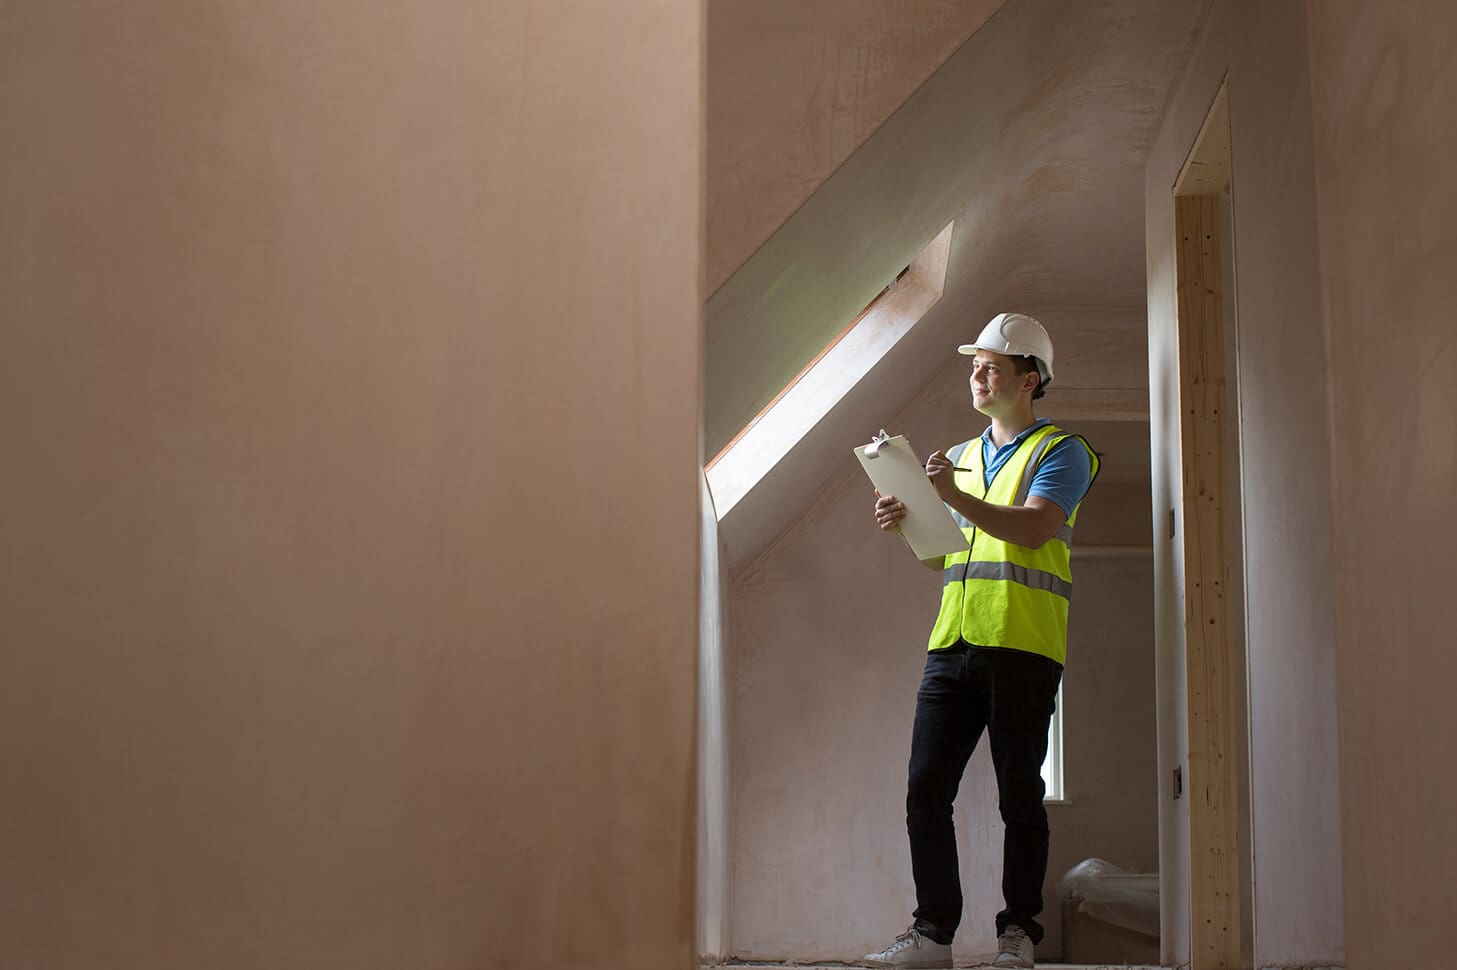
794,88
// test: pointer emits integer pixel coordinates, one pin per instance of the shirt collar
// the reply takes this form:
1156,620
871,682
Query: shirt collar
986,435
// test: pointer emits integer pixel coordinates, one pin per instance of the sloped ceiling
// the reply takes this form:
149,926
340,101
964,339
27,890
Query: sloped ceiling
1033,137
794,88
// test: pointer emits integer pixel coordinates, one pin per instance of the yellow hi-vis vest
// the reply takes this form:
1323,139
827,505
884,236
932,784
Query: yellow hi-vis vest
1000,594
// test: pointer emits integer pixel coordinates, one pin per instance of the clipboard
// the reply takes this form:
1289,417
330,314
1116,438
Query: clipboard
894,469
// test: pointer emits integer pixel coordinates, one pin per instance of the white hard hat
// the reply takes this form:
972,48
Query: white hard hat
1016,335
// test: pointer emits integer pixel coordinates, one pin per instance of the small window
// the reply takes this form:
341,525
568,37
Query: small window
1052,764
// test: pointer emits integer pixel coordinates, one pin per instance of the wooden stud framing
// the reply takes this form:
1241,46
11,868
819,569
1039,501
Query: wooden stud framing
1214,860
1214,869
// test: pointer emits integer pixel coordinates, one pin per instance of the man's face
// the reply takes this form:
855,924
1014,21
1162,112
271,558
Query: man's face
995,383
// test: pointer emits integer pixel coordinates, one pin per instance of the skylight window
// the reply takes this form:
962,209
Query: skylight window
838,368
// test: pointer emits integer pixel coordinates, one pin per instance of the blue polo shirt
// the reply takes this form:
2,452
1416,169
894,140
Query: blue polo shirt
1063,476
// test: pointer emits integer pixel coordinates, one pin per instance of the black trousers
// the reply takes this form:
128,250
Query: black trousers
1009,694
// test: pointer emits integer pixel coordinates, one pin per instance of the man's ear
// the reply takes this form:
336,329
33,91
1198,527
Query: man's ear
1033,375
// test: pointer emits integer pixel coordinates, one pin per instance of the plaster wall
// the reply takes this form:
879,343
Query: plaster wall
299,410
829,628
1285,460
795,88
1384,88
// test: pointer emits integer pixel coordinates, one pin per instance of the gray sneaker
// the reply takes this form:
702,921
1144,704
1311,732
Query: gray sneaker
1014,949
913,950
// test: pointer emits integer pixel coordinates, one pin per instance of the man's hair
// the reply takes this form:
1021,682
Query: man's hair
1021,365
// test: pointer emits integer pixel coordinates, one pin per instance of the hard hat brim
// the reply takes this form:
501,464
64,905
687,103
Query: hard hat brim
1042,370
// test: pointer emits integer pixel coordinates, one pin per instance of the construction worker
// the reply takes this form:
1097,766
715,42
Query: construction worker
999,642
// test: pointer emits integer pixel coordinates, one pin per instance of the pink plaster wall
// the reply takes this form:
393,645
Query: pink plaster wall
327,640
1385,93
794,88
829,630
1290,629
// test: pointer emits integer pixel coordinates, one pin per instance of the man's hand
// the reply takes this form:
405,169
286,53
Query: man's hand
942,475
889,511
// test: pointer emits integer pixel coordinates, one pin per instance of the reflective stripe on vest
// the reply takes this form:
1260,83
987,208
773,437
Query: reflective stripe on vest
1000,594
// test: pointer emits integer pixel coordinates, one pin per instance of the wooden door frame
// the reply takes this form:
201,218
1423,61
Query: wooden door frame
1217,938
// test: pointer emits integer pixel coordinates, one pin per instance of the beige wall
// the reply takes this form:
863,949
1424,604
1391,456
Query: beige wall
829,632
1384,92
795,88
327,641
1290,631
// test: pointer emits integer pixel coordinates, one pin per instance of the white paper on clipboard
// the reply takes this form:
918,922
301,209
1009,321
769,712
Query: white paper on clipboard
928,527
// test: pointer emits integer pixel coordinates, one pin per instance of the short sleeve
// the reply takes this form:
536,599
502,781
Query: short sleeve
1064,475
